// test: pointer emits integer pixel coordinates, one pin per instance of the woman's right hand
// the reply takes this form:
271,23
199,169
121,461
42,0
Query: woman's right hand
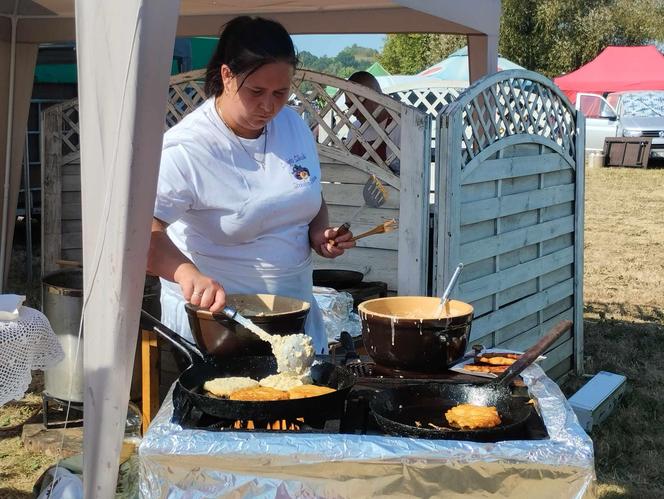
199,289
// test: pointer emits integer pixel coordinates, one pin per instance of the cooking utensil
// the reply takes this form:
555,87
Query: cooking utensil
352,360
283,347
406,332
337,279
448,290
223,338
396,410
383,228
204,367
374,194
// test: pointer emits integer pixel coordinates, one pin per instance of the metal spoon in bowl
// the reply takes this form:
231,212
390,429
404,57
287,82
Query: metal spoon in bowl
448,290
294,352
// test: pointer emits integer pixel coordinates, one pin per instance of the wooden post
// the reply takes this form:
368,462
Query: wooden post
150,377
579,202
51,188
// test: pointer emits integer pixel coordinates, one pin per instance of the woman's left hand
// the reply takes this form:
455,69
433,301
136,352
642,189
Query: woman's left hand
327,244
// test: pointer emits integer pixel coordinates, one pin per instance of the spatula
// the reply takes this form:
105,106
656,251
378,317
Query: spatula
374,194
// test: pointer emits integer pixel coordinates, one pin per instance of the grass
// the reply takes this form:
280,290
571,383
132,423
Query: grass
624,324
624,333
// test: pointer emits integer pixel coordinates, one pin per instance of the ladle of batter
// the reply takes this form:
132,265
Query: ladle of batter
294,352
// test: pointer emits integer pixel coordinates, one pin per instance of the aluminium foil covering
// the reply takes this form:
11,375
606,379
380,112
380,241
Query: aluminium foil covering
182,463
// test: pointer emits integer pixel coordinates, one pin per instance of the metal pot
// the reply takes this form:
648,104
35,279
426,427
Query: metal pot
223,338
405,333
62,304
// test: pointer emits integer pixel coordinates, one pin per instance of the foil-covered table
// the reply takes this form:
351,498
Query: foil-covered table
180,463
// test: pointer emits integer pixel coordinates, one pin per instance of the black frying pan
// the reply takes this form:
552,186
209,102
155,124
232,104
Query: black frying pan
204,367
337,279
398,409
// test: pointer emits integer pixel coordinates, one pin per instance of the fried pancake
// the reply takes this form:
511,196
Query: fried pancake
306,391
259,394
483,368
468,416
285,381
498,360
508,355
223,387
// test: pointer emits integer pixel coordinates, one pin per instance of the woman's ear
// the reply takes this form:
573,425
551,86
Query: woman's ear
227,75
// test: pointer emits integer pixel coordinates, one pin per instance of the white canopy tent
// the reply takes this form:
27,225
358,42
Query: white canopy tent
124,58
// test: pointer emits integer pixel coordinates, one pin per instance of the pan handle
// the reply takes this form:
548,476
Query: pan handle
530,355
190,350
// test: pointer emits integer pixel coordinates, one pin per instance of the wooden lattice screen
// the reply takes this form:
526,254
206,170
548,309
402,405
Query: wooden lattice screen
430,100
510,184
398,259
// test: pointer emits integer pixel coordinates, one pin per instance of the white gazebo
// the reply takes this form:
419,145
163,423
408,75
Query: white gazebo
124,58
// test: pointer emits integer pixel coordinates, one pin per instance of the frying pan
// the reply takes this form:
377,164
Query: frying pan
397,409
337,279
204,367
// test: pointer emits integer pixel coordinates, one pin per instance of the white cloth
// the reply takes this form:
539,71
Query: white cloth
243,223
25,344
9,306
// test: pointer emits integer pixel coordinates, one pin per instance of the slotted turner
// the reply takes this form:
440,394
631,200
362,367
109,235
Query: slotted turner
374,194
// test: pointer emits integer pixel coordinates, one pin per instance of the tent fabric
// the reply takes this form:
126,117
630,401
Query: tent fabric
455,67
616,69
25,60
377,69
121,109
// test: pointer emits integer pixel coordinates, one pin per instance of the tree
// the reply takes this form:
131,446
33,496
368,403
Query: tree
548,36
345,63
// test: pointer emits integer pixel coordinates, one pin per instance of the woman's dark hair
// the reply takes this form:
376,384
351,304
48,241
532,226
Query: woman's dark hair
247,43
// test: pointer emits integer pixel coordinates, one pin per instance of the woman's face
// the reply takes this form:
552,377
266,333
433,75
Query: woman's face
249,103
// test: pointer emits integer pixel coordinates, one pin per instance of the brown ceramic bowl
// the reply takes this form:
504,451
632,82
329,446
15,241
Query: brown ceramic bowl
405,333
224,338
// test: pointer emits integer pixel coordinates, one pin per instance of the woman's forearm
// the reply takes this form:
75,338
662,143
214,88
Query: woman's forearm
164,258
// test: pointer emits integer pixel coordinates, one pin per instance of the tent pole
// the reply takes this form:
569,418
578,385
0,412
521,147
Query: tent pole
8,149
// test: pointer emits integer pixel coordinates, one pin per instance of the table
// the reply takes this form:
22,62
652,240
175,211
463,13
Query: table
177,462
25,344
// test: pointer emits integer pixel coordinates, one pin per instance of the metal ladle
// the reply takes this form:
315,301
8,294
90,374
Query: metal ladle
281,345
448,290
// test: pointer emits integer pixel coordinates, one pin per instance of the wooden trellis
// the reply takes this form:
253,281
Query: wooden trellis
510,207
430,100
400,259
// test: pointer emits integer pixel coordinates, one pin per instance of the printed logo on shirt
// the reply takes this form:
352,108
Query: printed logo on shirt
300,172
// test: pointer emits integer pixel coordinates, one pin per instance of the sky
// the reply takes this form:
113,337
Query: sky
331,45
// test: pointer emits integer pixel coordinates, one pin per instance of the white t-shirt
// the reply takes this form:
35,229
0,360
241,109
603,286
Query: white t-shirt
240,222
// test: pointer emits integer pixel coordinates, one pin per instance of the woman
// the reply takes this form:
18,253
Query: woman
239,204
370,135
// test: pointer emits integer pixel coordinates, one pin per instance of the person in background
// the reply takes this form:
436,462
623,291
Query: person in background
370,135
239,204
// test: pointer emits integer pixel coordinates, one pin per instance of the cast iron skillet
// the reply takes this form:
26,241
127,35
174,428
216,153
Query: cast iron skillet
203,367
337,279
397,409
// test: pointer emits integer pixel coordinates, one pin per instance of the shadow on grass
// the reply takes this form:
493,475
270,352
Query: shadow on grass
11,493
628,340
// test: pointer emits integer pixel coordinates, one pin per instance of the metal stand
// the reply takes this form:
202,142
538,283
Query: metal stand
75,411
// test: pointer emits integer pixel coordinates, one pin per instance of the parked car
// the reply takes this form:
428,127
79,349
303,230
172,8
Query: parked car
635,113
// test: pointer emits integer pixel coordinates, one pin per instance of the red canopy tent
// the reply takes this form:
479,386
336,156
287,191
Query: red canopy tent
615,69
